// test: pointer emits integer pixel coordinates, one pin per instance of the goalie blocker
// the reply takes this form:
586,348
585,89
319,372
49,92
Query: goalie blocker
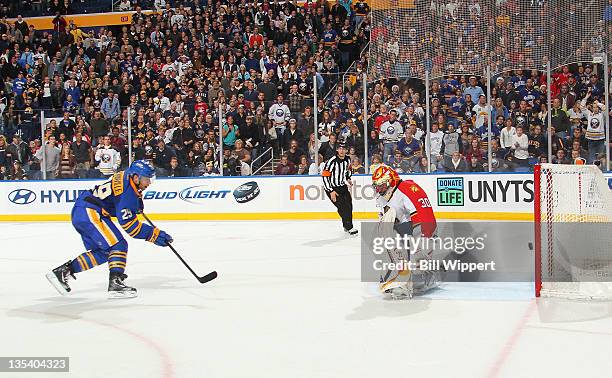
405,210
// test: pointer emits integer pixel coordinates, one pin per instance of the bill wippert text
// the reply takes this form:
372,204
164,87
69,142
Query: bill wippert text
425,264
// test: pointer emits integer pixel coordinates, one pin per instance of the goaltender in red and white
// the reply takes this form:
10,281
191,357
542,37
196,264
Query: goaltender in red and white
405,209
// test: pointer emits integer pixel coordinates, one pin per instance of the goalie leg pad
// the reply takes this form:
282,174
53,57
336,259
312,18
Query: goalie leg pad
395,283
425,281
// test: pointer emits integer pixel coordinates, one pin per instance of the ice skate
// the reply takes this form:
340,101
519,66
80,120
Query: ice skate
353,231
59,277
118,289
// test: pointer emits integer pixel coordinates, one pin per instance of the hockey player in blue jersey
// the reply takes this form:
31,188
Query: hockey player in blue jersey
121,197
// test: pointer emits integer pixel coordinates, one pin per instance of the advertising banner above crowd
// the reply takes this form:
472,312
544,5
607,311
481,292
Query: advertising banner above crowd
453,196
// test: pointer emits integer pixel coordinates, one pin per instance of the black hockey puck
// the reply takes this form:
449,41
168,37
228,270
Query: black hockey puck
246,192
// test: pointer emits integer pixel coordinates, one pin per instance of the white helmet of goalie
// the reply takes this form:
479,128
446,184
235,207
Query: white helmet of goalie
384,179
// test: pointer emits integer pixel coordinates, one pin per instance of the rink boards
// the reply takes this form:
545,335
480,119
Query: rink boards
453,196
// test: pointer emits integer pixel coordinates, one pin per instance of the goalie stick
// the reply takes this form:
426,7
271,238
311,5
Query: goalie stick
204,279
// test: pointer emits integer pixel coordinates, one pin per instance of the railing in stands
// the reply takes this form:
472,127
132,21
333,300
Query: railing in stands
351,70
260,157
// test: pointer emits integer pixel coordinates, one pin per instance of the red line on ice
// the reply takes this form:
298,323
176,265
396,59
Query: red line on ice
511,342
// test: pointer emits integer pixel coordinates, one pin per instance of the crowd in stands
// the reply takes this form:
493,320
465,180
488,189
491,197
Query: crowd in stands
178,71
466,36
459,116
254,67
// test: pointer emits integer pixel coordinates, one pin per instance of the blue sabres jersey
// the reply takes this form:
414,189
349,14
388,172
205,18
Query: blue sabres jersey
119,197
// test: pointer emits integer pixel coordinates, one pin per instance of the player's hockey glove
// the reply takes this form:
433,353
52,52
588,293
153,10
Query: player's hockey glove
160,238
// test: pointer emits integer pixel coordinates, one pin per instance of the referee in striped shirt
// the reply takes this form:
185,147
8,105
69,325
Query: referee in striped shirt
336,181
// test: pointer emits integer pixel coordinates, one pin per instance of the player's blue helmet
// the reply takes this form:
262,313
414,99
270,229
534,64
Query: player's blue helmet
142,168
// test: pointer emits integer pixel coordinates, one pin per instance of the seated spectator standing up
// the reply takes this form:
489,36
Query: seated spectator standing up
107,158
83,155
110,106
450,144
409,147
520,147
293,134
230,133
328,149
390,132
51,159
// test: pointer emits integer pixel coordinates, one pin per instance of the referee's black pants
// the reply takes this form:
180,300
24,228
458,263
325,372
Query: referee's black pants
344,204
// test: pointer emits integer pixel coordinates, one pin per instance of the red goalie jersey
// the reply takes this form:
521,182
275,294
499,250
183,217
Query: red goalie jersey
407,198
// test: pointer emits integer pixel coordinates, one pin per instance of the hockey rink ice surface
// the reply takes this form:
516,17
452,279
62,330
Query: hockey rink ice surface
288,303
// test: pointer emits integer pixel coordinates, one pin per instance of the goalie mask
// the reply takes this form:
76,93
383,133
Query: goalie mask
384,179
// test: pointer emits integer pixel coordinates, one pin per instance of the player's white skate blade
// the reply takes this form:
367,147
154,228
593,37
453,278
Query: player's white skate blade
122,294
52,278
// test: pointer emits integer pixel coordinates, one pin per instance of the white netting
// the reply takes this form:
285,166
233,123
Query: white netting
575,232
447,37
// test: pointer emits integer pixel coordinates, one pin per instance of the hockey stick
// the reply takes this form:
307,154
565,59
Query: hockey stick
204,279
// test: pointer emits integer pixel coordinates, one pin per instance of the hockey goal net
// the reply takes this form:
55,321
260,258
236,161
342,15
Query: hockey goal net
573,233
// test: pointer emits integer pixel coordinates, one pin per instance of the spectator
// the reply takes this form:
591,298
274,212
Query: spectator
161,158
315,169
507,133
390,132
475,151
110,106
356,166
17,173
294,152
231,132
285,166
107,158
456,163
303,166
422,167
83,155
399,163
175,170
595,134
124,5
560,158
436,141
6,159
99,125
475,164
328,149
520,147
67,164
376,162
51,158
18,150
